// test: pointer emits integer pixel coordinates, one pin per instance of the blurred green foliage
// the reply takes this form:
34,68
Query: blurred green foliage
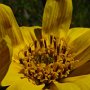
81,13
29,12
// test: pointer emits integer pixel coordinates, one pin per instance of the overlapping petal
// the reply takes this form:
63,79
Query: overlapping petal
79,41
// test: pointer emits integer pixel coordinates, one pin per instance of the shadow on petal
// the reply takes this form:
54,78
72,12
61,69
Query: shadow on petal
5,55
82,70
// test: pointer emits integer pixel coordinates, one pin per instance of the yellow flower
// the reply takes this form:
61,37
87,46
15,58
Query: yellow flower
70,50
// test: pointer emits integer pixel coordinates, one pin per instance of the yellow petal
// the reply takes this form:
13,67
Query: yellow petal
83,82
9,25
75,33
5,55
75,83
24,85
67,86
12,75
57,15
18,48
13,78
79,41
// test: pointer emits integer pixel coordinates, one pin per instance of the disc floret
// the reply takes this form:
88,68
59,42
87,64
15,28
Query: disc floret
47,63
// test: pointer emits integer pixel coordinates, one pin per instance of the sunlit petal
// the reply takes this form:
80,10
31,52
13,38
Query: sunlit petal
24,85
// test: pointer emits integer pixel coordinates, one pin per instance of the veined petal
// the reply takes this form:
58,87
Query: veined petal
13,78
9,25
79,42
75,33
57,15
83,58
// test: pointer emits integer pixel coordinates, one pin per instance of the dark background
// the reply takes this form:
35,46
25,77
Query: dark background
29,12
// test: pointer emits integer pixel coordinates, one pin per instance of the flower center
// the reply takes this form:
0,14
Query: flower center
47,63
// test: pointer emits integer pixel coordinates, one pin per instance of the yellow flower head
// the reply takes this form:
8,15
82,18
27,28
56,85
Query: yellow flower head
43,57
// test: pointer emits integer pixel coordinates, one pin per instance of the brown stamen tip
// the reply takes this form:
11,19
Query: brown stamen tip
51,38
45,44
55,58
41,43
54,44
63,49
58,49
29,49
21,61
35,44
25,53
55,38
64,60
